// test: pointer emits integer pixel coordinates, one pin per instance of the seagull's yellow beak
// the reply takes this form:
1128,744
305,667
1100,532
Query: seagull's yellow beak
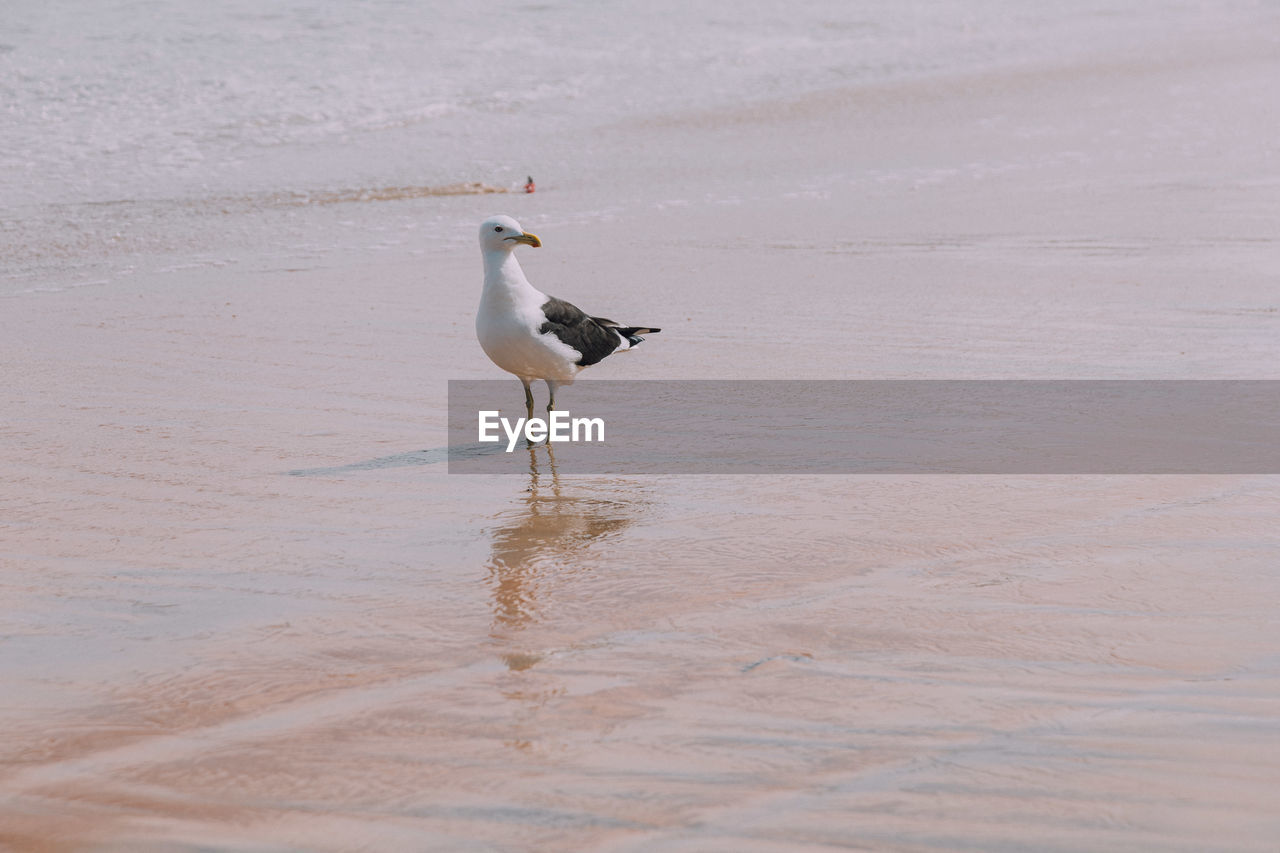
531,239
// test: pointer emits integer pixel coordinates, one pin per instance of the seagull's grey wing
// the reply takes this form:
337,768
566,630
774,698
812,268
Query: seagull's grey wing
593,337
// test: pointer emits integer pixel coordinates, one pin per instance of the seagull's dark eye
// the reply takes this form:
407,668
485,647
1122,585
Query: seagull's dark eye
497,228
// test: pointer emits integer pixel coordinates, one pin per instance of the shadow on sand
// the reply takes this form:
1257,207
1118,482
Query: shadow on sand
433,456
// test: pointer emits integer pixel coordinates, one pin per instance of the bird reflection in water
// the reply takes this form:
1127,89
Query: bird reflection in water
548,539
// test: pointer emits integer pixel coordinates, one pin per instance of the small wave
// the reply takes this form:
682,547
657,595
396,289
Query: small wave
53,288
367,194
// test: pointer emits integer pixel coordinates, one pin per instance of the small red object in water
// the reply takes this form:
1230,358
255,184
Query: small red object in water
529,187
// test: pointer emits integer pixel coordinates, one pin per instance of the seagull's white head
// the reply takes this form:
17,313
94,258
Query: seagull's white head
502,233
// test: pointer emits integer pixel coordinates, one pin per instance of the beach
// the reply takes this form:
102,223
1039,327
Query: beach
249,609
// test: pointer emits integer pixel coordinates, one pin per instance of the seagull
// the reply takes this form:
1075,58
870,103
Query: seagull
535,336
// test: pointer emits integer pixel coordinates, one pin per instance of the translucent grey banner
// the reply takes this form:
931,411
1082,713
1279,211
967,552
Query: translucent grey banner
872,427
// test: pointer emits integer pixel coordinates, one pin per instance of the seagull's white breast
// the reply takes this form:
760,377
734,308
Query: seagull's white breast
507,326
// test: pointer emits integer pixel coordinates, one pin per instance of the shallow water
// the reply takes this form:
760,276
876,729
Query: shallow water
248,609
130,125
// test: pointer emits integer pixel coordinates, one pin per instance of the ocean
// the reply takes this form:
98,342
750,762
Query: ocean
132,127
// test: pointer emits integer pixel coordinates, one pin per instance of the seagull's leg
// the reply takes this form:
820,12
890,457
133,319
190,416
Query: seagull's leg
551,403
528,406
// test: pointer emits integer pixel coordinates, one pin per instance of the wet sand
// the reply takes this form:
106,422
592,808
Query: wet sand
205,649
